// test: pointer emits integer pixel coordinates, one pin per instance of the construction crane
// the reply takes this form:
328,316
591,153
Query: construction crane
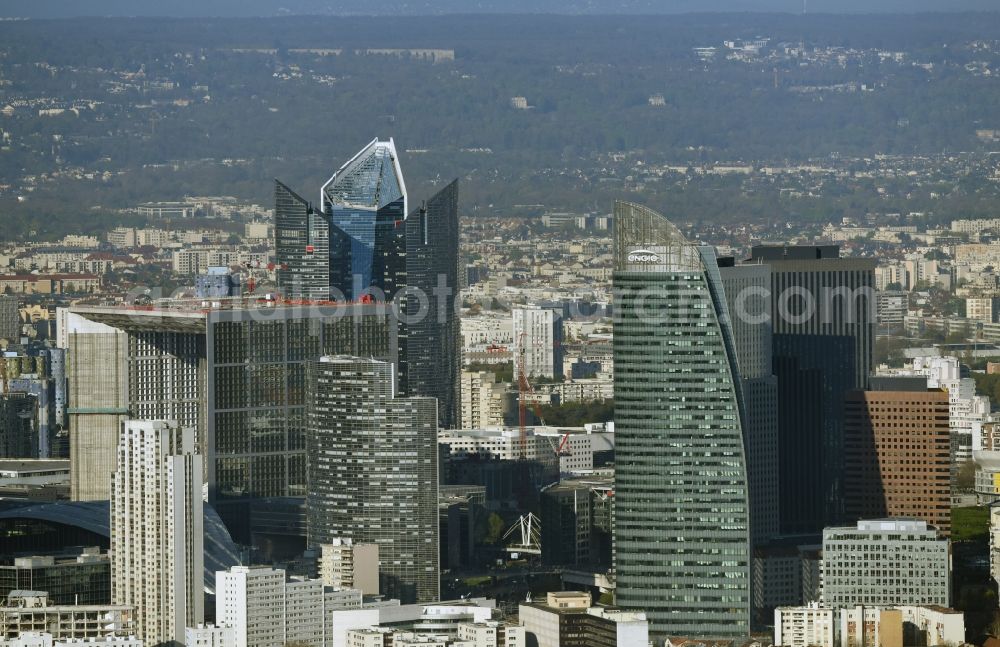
563,448
603,493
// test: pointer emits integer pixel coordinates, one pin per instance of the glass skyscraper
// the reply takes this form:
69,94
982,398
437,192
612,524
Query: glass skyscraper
236,375
372,248
365,207
302,246
823,344
373,472
682,538
432,339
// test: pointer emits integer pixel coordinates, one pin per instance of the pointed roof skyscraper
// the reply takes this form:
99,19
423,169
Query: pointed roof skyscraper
372,179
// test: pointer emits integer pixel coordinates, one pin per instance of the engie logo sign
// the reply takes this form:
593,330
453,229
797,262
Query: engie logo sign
643,256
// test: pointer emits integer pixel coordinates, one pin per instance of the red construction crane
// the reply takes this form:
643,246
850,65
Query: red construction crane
524,389
563,451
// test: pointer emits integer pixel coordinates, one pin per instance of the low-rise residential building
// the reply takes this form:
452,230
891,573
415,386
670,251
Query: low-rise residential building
932,625
30,611
45,639
863,626
584,390
569,618
346,565
209,636
50,283
808,626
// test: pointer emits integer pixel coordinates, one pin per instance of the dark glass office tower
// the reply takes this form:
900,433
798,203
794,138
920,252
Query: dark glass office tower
750,312
373,473
432,339
302,246
373,249
682,540
236,375
19,425
365,206
822,308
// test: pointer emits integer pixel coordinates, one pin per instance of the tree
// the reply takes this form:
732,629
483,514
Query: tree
889,350
966,478
495,529
575,414
988,385
504,371
959,336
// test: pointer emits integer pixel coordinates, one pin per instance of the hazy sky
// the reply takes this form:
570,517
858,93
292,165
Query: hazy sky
68,8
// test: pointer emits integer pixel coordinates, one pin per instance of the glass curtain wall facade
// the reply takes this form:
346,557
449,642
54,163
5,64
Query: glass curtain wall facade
681,509
302,246
373,250
365,207
749,305
257,396
373,472
238,377
433,341
822,309
19,426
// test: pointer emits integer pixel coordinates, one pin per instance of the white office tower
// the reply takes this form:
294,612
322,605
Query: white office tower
537,342
266,609
885,563
157,534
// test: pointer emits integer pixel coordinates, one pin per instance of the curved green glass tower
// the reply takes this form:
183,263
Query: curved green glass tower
682,542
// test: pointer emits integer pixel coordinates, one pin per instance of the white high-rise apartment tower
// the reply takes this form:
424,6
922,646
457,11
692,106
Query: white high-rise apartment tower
157,530
538,340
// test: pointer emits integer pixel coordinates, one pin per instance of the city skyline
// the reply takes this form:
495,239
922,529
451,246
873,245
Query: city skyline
635,324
